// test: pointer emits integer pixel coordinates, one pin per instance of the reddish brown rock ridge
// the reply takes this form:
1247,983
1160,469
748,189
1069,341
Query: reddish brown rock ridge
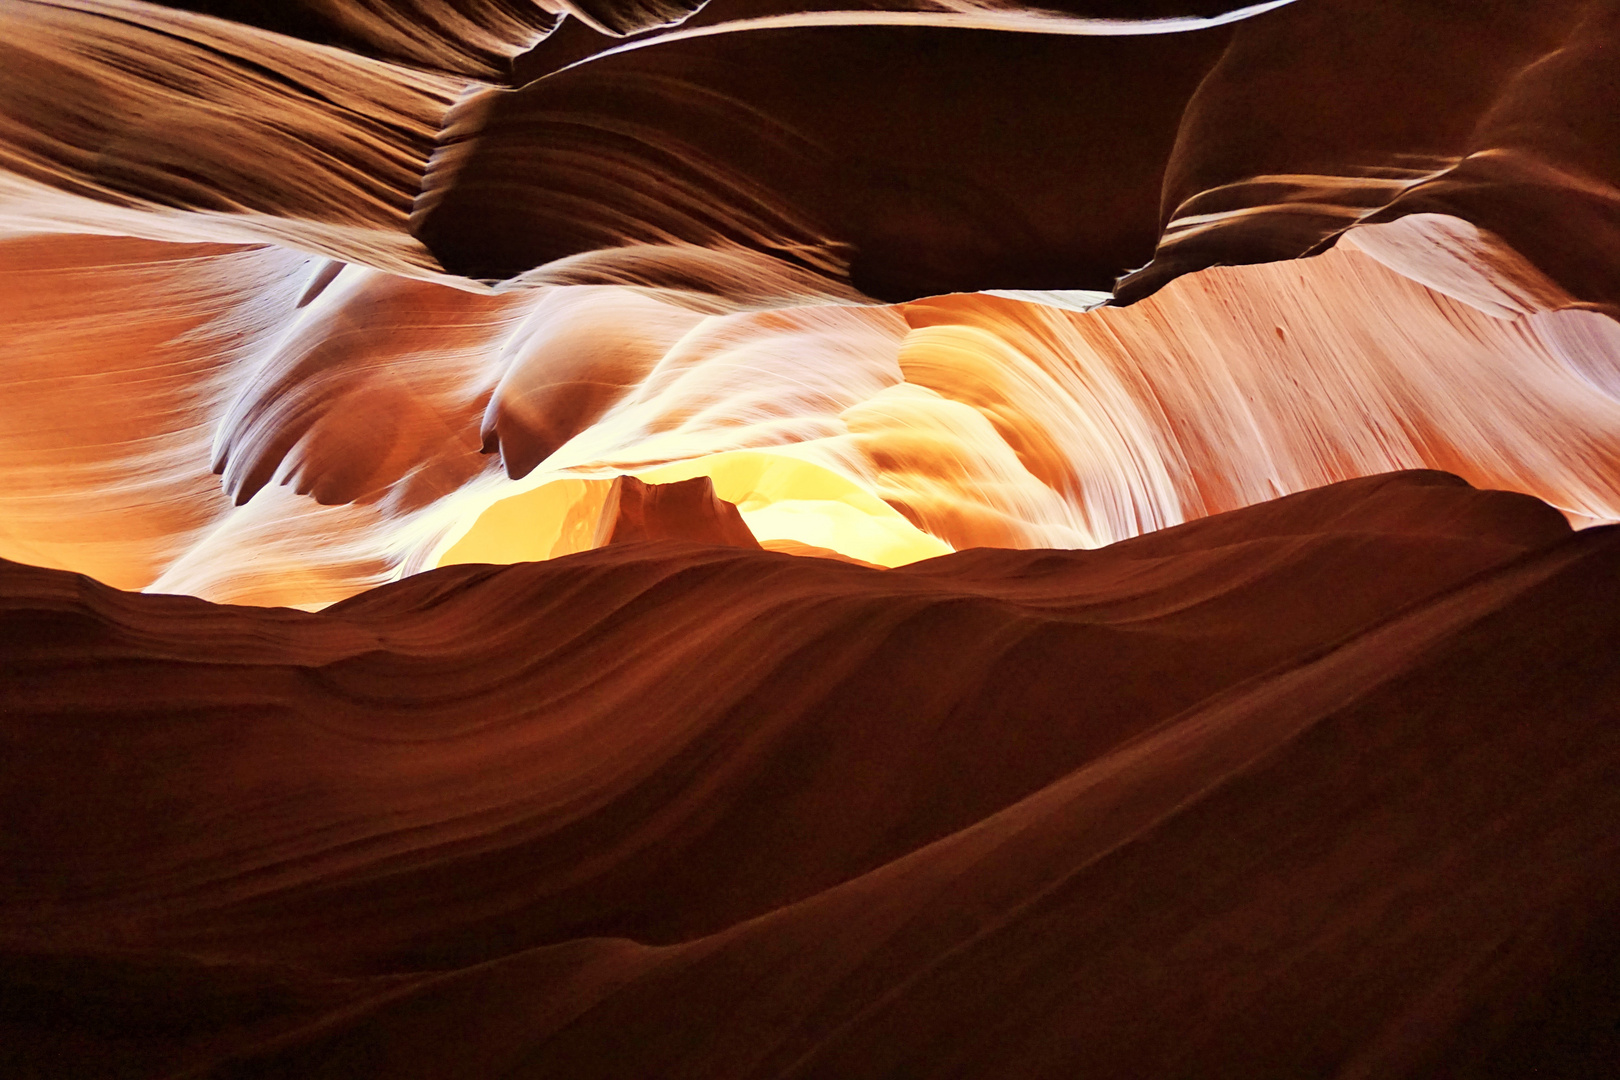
1323,785
688,510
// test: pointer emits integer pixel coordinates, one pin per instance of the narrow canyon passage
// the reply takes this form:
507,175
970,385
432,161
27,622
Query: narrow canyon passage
809,538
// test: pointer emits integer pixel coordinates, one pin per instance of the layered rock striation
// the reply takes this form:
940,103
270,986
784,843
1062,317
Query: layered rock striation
1323,784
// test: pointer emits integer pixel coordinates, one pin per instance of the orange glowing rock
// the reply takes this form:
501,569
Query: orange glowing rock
814,539
888,434
687,510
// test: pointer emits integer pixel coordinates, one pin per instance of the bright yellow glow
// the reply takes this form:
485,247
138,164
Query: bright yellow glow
559,518
784,498
781,498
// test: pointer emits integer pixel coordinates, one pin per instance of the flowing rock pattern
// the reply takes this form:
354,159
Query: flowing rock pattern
685,229
1040,538
562,816
884,433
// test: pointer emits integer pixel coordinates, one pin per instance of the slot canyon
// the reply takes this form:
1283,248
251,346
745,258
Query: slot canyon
809,539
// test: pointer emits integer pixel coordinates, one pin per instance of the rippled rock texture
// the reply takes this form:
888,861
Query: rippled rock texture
1322,785
399,272
787,538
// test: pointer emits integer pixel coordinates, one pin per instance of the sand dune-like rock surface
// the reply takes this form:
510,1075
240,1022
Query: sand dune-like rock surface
765,153
697,143
302,298
809,538
472,37
364,426
1325,786
126,118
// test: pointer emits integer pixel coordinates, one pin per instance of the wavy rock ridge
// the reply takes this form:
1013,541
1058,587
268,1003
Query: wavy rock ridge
809,538
365,425
382,245
682,810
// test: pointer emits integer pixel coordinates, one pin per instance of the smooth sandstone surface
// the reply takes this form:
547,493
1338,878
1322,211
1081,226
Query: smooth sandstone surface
378,425
683,810
391,272
809,538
